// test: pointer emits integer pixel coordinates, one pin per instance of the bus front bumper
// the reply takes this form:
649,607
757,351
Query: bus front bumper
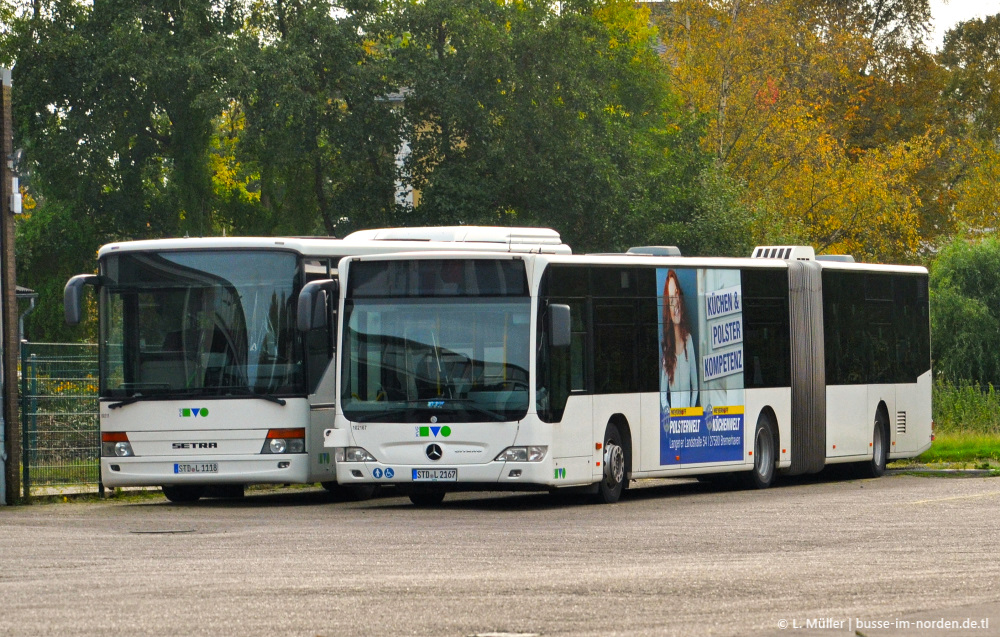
256,469
504,474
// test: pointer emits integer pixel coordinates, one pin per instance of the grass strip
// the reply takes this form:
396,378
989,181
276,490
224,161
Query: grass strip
979,449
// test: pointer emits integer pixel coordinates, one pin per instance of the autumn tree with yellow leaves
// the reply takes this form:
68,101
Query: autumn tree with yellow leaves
831,113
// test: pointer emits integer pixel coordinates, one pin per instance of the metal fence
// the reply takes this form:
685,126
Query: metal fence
60,423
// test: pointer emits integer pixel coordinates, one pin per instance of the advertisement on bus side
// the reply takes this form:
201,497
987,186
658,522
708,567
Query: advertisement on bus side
701,365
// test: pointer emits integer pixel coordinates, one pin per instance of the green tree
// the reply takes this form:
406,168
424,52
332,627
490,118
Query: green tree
8,14
116,102
320,130
54,243
533,113
971,52
965,311
115,106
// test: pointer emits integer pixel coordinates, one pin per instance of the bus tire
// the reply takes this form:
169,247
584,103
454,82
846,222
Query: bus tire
610,488
764,445
231,491
719,480
350,492
427,498
181,493
875,467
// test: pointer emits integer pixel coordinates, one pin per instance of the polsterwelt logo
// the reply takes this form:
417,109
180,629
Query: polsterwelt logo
192,412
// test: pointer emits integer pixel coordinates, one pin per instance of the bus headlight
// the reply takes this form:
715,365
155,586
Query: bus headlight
116,444
285,441
523,454
353,454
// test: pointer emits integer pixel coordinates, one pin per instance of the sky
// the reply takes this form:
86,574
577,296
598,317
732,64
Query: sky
946,13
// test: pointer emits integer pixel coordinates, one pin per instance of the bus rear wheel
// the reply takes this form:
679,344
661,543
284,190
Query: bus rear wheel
875,467
183,493
762,475
610,488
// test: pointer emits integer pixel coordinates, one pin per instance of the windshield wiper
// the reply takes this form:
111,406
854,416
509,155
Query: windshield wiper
434,405
138,396
127,401
246,391
406,411
469,405
243,391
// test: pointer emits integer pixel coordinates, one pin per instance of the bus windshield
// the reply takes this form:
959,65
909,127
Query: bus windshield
436,342
199,323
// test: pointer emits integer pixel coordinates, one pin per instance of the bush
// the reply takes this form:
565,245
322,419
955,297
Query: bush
966,407
965,312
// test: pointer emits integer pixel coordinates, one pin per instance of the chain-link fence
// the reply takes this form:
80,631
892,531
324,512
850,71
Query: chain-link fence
60,423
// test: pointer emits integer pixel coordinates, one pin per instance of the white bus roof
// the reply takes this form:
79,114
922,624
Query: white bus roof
463,234
489,239
678,261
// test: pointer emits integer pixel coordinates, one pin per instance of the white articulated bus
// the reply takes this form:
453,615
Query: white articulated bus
205,378
490,371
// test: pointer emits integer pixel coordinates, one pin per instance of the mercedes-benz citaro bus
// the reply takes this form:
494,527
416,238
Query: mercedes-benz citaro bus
205,379
543,371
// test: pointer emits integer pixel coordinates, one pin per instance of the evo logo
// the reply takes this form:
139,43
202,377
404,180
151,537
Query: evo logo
433,432
192,412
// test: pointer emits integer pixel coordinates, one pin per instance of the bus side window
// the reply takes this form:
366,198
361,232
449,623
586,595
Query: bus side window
319,343
767,330
562,370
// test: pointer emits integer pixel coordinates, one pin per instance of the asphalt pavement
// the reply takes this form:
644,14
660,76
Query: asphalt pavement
900,555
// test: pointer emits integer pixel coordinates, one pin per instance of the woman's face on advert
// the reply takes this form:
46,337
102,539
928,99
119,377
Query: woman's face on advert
674,298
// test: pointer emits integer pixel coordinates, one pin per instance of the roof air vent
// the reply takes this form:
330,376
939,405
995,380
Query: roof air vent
795,253
656,251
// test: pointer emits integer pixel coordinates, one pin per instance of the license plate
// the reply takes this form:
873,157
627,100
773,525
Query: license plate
435,475
196,467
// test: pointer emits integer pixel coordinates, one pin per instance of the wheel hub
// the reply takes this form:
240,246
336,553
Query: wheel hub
877,444
614,464
762,449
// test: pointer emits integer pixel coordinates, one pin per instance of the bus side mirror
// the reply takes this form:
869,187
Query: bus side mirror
560,325
314,300
73,297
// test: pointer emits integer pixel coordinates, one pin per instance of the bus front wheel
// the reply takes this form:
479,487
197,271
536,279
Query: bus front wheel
350,492
183,493
610,488
762,475
427,498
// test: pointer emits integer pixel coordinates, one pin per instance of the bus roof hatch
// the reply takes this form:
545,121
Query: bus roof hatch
793,253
